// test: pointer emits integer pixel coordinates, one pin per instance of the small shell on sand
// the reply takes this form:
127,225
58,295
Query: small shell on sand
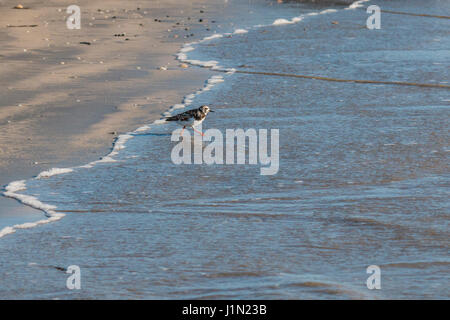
184,65
162,68
19,6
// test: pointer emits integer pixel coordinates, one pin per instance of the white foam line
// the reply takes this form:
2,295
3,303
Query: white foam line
240,31
214,36
14,187
356,4
143,128
281,22
328,11
12,191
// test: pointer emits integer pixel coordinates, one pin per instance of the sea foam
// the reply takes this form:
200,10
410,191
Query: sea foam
240,31
281,22
11,191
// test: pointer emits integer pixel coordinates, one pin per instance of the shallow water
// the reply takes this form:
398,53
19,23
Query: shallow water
363,178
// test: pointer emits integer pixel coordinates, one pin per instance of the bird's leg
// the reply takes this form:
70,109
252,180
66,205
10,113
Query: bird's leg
182,131
198,132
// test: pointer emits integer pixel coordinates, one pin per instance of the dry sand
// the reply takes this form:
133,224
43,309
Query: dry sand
62,102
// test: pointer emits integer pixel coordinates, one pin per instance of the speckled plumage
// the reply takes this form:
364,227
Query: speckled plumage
191,118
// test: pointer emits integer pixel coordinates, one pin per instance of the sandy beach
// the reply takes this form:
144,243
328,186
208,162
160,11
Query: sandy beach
66,94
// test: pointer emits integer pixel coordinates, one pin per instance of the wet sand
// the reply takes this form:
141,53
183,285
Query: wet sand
66,94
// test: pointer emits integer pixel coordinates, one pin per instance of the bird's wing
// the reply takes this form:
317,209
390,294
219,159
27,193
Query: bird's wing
185,116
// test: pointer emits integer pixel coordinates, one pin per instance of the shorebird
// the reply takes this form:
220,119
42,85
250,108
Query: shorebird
191,118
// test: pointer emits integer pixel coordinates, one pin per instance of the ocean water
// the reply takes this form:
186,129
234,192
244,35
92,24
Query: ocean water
363,175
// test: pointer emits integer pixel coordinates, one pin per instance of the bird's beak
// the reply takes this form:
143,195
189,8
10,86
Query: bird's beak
211,110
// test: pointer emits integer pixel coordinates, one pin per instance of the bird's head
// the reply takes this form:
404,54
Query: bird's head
205,109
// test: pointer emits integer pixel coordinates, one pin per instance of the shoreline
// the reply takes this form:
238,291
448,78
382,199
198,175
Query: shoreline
96,139
62,140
